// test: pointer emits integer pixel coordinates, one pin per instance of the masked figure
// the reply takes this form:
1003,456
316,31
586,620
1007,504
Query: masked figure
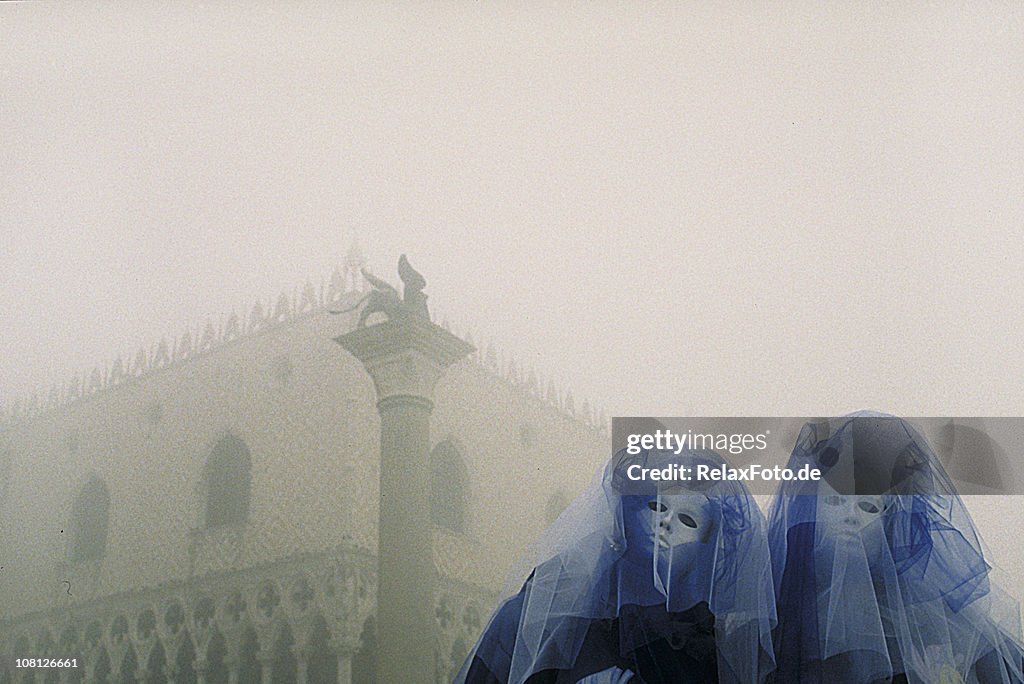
879,572
640,583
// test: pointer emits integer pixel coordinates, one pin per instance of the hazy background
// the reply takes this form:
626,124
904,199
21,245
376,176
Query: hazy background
714,209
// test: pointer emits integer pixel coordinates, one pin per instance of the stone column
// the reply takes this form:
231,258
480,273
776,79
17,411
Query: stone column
344,668
405,357
234,670
202,669
266,668
345,648
301,665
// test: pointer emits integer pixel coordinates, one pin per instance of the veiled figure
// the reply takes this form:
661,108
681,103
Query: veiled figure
879,571
639,582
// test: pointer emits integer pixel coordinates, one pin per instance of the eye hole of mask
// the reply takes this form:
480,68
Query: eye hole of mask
828,457
687,520
656,507
868,507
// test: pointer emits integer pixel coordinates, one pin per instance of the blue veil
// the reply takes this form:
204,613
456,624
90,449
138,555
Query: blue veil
879,572
671,584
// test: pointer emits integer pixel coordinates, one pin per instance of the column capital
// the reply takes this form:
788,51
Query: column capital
405,356
266,659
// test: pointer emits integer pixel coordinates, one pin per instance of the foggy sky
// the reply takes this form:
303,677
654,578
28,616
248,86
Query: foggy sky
708,209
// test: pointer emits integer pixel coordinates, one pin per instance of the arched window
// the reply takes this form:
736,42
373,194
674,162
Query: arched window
449,487
89,518
228,483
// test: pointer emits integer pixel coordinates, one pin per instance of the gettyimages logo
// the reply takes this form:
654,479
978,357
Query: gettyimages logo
666,440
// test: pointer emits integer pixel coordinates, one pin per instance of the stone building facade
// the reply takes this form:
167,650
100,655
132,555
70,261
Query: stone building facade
207,512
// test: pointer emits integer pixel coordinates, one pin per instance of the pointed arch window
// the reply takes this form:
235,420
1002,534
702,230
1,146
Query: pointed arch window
90,516
449,487
228,483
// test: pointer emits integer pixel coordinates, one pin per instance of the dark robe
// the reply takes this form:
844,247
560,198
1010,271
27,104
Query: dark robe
684,653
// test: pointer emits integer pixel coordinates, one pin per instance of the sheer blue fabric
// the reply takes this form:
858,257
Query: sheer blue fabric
641,583
879,571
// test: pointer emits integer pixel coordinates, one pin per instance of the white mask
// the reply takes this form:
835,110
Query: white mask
678,519
848,517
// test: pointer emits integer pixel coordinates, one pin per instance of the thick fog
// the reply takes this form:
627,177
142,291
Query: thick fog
704,209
